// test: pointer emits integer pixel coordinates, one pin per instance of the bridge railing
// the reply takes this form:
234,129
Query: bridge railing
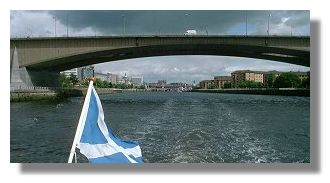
152,35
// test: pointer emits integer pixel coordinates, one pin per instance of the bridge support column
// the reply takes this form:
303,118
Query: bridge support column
44,78
21,77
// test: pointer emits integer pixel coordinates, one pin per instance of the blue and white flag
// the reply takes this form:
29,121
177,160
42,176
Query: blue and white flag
98,143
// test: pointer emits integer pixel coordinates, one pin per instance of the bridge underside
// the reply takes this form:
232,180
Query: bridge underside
298,57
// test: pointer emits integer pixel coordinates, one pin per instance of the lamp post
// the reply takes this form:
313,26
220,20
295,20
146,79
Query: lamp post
124,24
67,25
187,24
54,26
269,15
245,23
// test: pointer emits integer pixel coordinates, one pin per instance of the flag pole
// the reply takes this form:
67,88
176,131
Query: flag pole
81,122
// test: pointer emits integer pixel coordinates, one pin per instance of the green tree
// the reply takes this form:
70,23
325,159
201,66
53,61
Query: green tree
84,82
258,85
73,79
305,83
62,79
141,87
106,84
242,84
65,81
250,84
270,80
227,85
119,85
287,80
98,83
211,86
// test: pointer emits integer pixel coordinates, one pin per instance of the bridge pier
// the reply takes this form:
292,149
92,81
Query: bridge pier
22,77
44,78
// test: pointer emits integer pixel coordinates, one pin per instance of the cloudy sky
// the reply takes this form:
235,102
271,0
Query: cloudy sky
171,68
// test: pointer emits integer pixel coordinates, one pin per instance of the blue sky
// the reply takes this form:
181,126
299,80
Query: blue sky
171,68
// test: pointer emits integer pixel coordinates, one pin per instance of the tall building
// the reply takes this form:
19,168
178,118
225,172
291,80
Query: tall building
220,81
85,72
162,82
101,76
71,71
125,78
137,80
113,78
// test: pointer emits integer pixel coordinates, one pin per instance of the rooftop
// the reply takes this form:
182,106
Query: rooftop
267,72
222,77
207,81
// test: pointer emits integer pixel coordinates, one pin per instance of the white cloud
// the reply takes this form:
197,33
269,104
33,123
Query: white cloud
31,23
171,68
42,24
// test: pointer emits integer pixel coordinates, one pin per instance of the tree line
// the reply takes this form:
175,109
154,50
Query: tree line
72,81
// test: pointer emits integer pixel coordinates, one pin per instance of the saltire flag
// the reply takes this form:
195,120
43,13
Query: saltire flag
98,143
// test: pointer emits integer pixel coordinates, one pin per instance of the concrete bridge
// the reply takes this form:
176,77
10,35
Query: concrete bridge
44,58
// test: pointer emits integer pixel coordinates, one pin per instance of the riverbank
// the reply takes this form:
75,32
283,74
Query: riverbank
32,96
59,94
43,95
260,91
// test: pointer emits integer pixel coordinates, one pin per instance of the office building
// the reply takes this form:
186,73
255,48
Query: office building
137,80
85,72
101,76
112,78
71,71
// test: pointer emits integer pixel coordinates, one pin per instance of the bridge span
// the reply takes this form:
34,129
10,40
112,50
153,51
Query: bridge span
50,55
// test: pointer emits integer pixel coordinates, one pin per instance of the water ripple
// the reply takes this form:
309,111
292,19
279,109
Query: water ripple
173,127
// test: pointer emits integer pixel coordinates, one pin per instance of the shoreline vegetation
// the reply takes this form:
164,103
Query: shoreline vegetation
302,92
60,94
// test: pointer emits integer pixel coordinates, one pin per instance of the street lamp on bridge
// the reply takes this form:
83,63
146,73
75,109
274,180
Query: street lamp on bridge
124,24
67,25
54,26
269,15
187,23
245,23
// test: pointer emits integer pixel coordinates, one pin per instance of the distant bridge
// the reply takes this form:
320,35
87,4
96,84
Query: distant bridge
48,56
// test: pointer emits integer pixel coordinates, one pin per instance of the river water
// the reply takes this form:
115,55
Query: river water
172,127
